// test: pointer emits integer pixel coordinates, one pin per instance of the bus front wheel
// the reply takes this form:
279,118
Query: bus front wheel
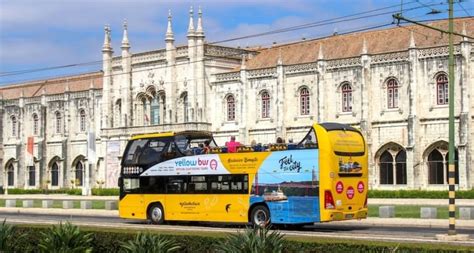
260,216
156,214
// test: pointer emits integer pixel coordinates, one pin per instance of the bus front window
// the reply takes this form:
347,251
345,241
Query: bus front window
130,184
144,152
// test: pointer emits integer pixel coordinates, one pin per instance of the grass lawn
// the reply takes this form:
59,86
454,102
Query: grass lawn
96,204
411,211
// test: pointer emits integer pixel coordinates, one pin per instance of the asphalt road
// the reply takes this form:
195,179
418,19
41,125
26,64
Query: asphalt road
326,230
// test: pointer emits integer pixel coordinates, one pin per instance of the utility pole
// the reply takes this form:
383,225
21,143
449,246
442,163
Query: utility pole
451,150
451,165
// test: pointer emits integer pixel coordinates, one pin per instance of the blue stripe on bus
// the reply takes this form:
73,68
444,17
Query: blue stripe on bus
295,210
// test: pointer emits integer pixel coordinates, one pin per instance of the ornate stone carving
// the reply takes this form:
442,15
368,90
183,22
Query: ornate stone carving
225,77
301,68
157,55
228,52
344,63
266,72
438,52
389,58
182,52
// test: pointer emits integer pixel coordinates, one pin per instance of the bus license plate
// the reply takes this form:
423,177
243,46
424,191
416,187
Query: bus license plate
349,216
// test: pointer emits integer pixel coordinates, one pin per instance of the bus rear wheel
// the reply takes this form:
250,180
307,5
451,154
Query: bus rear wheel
156,214
260,216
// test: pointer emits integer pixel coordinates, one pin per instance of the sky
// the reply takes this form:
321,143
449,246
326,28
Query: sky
36,34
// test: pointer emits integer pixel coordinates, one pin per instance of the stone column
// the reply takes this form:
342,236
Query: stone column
411,148
465,116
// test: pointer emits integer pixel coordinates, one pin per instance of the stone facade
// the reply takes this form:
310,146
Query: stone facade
389,83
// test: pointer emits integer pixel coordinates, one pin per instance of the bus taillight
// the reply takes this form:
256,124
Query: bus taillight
328,200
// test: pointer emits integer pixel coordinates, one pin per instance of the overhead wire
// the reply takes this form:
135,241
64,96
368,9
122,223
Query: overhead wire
288,29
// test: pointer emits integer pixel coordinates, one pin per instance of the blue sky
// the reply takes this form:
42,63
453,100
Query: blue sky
46,33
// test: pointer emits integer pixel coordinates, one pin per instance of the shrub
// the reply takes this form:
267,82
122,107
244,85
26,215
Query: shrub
17,191
8,238
65,238
143,243
105,191
254,240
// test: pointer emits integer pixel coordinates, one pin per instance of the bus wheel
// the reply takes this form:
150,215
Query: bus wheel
156,214
260,216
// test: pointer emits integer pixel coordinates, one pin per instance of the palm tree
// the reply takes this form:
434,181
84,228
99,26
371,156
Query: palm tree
253,240
65,238
150,243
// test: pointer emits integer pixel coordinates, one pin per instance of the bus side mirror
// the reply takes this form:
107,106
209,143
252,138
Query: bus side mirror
120,182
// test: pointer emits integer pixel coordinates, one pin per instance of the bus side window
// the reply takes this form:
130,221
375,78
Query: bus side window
176,185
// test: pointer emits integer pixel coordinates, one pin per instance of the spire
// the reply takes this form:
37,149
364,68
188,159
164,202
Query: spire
199,30
125,43
243,63
412,40
106,46
364,47
191,23
464,32
169,31
320,54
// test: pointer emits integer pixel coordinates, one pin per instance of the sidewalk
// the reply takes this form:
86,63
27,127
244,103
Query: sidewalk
371,221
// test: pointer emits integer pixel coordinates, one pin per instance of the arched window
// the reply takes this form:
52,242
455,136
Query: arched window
155,110
58,122
55,174
79,173
230,108
304,101
35,124
31,175
392,93
386,168
346,97
118,113
184,97
436,167
442,89
146,118
265,104
11,175
14,126
82,121
401,167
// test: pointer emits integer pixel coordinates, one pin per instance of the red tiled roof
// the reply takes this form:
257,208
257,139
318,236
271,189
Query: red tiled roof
53,86
350,45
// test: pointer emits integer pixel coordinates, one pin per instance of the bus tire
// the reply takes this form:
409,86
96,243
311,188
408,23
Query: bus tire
260,216
156,214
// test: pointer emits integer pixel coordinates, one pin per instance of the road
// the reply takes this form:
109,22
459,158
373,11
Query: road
339,230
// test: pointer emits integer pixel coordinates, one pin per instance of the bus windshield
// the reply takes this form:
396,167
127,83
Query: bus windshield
145,152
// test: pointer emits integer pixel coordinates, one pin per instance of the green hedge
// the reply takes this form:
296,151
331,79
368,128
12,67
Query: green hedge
110,241
419,194
45,191
105,191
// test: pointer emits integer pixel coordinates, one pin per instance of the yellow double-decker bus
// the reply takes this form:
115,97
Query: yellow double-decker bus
165,177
